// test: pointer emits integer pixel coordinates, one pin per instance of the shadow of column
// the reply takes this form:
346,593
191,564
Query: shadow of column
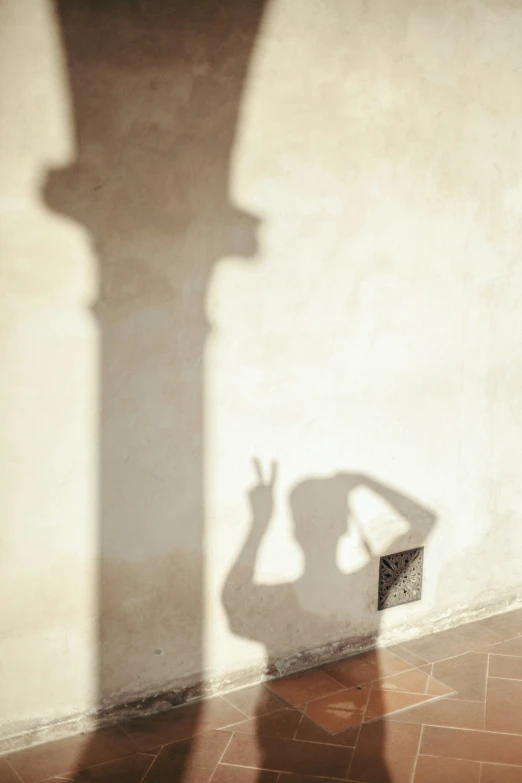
156,89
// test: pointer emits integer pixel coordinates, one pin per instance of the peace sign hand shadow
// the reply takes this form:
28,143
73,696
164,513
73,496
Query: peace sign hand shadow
261,496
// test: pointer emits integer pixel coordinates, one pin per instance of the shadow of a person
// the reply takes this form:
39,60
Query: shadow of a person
324,604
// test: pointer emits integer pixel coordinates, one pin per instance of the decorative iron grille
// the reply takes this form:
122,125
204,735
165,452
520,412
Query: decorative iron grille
400,578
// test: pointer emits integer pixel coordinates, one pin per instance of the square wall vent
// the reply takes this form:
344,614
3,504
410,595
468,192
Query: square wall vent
400,578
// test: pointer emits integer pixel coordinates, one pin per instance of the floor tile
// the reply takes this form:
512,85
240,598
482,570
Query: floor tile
406,655
496,773
466,674
385,753
305,686
475,636
70,755
339,711
284,723
433,769
452,642
308,731
445,712
362,669
227,774
506,666
289,778
512,647
504,706
130,769
472,745
6,773
411,681
288,756
438,688
437,646
255,701
190,761
182,723
507,625
383,703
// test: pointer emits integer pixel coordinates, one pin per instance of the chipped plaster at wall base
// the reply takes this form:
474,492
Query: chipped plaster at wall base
221,684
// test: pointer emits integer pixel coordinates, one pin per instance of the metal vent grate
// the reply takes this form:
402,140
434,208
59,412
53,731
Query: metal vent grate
400,578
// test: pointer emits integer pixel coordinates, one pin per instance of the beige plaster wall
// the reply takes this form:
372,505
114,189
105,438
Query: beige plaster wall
287,231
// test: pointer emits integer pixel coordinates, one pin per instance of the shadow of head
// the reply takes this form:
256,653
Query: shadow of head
320,509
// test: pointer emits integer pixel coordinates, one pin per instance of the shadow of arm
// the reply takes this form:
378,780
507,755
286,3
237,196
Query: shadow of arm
242,598
410,509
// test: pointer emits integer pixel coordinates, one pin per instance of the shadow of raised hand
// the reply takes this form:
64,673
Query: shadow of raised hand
261,496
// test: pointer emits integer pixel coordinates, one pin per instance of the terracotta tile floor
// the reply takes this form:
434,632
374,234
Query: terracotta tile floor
446,708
